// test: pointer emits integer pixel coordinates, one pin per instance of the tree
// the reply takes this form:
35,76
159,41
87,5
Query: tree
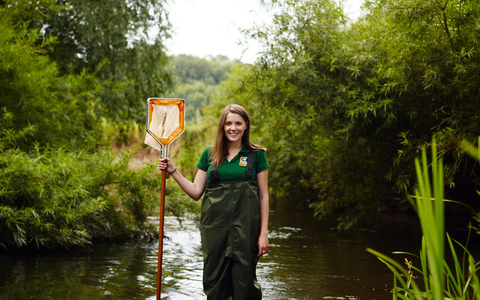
212,70
347,104
62,185
122,42
37,103
198,80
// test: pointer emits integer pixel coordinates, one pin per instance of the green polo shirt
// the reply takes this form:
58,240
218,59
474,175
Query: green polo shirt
235,169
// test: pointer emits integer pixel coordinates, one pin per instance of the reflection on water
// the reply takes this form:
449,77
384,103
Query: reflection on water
307,260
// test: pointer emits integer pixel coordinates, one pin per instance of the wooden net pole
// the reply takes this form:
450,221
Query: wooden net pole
160,235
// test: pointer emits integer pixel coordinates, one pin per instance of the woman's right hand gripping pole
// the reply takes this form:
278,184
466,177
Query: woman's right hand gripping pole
166,163
193,189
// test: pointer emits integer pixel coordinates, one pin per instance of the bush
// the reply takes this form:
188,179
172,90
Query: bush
61,184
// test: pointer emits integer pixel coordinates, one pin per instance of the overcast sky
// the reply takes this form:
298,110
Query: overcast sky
210,27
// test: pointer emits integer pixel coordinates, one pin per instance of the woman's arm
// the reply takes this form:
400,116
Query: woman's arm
262,179
193,189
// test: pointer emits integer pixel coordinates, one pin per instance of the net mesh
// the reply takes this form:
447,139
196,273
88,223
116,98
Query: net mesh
165,122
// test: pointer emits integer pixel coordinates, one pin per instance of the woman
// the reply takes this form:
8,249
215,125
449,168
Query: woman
234,221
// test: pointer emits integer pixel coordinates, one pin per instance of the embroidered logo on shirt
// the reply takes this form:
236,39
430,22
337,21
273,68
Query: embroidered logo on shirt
243,161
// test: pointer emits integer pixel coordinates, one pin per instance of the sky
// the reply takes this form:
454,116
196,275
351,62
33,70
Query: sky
211,27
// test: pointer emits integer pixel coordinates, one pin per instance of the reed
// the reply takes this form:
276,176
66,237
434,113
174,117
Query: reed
440,281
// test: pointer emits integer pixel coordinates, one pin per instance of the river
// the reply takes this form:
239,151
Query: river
308,259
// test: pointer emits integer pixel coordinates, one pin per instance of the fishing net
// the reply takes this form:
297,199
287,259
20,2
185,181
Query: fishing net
165,121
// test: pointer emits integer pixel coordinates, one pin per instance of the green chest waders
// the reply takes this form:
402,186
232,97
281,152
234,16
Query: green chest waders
230,227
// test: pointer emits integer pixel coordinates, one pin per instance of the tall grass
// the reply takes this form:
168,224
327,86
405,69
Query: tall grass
440,281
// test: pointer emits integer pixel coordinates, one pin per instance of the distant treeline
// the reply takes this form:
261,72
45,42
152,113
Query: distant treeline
198,80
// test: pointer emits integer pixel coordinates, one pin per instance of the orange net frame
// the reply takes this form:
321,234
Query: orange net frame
165,121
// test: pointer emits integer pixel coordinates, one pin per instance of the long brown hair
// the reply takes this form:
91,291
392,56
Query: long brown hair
220,149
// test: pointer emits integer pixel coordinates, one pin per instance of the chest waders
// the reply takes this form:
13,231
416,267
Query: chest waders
230,227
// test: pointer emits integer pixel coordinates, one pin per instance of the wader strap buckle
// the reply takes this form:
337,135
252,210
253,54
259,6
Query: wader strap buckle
248,173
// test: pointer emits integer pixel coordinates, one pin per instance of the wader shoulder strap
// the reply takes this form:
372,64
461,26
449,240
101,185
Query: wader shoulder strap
214,173
248,174
250,161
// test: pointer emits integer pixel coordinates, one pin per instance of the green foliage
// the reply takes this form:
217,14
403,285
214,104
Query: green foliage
35,99
33,14
462,282
198,80
55,198
197,94
188,149
211,70
61,184
179,203
345,106
122,42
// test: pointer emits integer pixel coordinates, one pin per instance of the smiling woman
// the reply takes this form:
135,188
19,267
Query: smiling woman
233,177
234,128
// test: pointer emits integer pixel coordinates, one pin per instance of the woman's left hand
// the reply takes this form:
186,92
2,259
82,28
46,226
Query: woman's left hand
262,245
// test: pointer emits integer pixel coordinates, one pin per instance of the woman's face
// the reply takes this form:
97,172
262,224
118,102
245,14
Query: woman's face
234,127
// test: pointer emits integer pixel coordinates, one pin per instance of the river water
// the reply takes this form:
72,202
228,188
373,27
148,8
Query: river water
308,259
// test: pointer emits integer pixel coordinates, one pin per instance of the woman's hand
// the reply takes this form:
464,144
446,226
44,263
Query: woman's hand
262,245
193,189
166,163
